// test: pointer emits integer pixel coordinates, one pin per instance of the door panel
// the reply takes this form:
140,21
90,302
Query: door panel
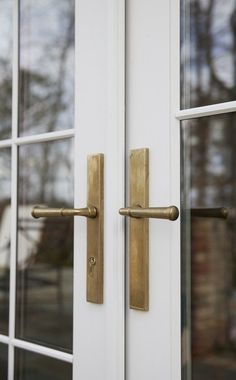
46,77
207,183
33,366
208,248
6,39
208,48
64,54
5,221
3,361
45,246
36,259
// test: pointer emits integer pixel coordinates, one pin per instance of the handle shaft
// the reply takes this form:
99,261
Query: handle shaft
170,213
40,212
220,212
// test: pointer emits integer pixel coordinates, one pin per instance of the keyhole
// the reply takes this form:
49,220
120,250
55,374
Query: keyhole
92,263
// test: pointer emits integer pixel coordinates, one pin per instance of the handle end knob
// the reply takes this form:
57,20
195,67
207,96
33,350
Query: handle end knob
174,213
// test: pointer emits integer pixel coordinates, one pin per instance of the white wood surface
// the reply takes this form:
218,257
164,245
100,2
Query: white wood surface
150,105
99,329
42,350
213,109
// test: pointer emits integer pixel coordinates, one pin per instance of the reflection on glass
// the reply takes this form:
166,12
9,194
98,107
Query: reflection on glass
45,245
5,215
46,66
3,361
5,68
30,366
208,52
209,248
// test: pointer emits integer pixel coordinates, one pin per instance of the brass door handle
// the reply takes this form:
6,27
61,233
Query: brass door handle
169,213
139,213
42,212
94,213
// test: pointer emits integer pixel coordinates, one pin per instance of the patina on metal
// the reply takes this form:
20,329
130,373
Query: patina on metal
139,231
95,229
94,212
170,213
45,212
139,214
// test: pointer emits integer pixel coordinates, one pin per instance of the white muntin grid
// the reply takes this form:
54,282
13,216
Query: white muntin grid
13,143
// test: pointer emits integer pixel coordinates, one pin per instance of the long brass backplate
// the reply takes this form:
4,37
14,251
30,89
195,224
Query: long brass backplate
95,229
139,231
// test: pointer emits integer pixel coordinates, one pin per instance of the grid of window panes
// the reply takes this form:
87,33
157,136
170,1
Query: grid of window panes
208,188
36,255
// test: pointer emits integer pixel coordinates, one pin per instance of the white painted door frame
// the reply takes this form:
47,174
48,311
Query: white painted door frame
98,348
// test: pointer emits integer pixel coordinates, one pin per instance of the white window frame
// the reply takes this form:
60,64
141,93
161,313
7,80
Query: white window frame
113,335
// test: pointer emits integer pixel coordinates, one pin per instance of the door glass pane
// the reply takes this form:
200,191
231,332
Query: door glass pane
209,248
208,52
30,366
5,222
45,245
5,68
3,361
46,66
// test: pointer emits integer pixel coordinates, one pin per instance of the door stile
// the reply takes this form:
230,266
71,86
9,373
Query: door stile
99,128
115,193
175,273
14,179
76,259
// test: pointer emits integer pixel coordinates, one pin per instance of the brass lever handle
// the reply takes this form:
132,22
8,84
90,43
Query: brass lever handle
220,212
40,212
94,212
170,213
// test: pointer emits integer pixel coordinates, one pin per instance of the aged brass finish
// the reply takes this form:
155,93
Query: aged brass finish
95,225
220,212
40,212
139,214
139,231
170,213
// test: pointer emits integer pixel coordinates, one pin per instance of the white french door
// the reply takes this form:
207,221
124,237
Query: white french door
62,100
130,80
180,107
